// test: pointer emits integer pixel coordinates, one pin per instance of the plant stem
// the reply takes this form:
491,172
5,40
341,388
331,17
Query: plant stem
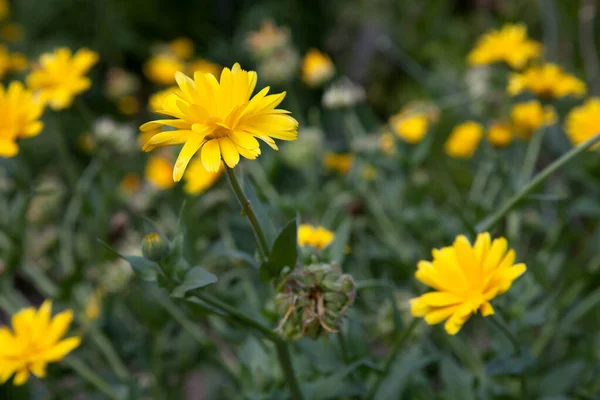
493,219
109,352
531,156
283,353
400,341
263,247
92,377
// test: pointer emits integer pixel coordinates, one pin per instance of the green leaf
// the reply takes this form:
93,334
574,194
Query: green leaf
284,252
195,278
591,302
333,387
233,254
562,378
146,269
405,367
337,249
457,381
510,365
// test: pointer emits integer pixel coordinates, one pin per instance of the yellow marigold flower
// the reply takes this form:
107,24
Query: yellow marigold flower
198,179
547,81
465,278
387,144
60,76
11,62
12,32
530,116
159,171
509,44
35,341
317,68
583,122
410,127
20,117
338,162
464,139
182,48
156,101
128,105
500,135
221,119
130,184
201,65
161,69
314,236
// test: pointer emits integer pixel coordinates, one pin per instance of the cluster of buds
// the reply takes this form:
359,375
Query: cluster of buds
312,300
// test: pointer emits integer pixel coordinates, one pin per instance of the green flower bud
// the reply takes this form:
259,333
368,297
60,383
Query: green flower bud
154,247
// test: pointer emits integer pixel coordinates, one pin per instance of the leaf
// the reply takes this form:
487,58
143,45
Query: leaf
284,252
562,378
405,367
146,269
591,302
510,365
333,387
457,381
195,278
233,254
337,249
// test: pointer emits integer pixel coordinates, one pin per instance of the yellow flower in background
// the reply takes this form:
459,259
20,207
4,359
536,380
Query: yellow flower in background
464,139
182,48
10,62
267,39
128,105
387,144
547,81
159,172
198,179
12,32
341,162
4,9
583,122
465,278
21,115
35,341
314,236
201,65
317,68
530,116
500,135
509,44
221,120
60,76
93,306
156,101
411,128
130,184
161,69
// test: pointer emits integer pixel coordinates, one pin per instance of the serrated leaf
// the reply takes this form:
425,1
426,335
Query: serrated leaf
195,278
284,252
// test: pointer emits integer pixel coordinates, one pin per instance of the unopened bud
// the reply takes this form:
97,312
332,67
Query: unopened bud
154,247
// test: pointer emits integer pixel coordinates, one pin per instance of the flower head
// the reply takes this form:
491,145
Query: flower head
35,341
156,101
465,278
530,116
60,76
198,179
583,122
341,162
20,117
161,68
317,68
547,81
10,62
159,171
314,236
220,119
410,127
509,44
182,47
500,135
464,139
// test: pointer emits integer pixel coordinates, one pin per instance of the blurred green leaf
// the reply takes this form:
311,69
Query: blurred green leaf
510,365
284,252
458,382
405,366
337,249
563,377
195,278
333,385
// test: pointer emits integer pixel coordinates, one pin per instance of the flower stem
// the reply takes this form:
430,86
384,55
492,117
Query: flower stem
398,345
493,219
531,156
92,377
263,247
283,353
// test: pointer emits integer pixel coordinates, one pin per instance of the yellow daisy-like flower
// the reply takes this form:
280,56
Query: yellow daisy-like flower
34,342
411,128
583,122
546,81
338,162
201,65
93,305
156,101
161,68
465,279
182,47
530,116
159,172
198,179
314,236
20,117
509,44
317,68
500,135
11,62
221,119
60,76
464,139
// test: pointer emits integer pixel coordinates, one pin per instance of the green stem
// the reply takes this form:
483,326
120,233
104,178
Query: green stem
398,345
92,377
65,158
492,220
263,247
531,156
283,353
109,352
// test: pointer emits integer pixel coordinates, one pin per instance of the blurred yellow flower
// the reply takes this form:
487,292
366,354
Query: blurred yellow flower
128,105
21,114
548,81
161,69
411,128
201,65
221,119
339,162
156,101
34,342
267,39
182,48
10,62
159,171
317,68
530,116
387,144
4,9
583,122
60,76
12,32
314,236
130,184
500,135
93,306
198,179
464,139
509,44
465,278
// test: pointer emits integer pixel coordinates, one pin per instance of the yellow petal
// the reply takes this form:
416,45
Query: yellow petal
187,152
211,155
21,377
229,152
60,350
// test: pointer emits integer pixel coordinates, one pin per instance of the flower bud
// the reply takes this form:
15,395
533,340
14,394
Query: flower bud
154,247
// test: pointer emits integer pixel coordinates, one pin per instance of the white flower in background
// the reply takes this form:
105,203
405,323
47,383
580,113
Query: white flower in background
121,137
343,93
